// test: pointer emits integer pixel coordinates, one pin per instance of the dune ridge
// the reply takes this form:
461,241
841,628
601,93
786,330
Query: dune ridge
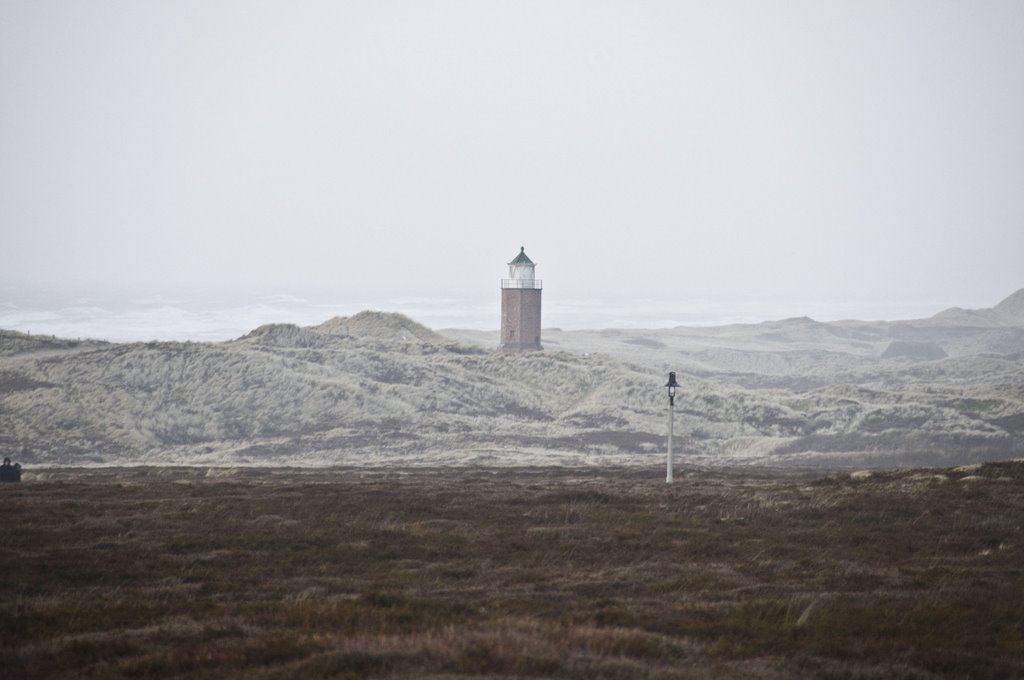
379,388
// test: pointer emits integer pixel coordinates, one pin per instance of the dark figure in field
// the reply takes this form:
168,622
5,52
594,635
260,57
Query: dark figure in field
10,473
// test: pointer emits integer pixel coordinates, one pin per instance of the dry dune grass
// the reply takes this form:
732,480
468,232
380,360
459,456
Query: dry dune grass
379,388
349,573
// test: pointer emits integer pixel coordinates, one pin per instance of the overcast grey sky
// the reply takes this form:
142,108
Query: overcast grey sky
715,150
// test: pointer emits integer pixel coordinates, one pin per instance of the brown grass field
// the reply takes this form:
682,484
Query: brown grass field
500,573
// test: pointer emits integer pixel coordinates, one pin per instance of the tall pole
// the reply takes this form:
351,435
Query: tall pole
672,385
671,426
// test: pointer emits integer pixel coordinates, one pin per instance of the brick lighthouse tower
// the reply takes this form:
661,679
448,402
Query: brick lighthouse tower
520,306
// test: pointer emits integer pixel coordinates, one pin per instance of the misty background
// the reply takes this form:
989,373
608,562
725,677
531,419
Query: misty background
194,169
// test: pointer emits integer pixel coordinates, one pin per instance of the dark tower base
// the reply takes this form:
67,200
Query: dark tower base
520,319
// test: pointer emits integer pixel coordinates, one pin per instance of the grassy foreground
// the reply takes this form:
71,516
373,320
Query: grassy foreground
512,573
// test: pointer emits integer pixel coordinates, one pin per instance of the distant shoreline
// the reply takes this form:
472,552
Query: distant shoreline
191,320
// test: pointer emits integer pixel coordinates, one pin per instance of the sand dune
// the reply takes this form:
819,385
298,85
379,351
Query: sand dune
380,388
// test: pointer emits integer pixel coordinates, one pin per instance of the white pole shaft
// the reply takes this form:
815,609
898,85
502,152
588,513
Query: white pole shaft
671,426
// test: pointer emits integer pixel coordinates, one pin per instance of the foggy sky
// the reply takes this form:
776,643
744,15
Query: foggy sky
679,150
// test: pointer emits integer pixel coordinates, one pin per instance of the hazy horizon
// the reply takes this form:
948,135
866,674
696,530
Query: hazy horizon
788,158
192,316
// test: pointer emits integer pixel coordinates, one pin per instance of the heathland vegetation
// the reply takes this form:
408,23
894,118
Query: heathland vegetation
512,572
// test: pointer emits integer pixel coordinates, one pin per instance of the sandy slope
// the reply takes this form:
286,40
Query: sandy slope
382,389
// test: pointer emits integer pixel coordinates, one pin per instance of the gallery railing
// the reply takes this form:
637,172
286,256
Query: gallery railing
522,283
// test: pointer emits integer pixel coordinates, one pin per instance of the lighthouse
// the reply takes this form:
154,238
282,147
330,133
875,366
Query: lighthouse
520,306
